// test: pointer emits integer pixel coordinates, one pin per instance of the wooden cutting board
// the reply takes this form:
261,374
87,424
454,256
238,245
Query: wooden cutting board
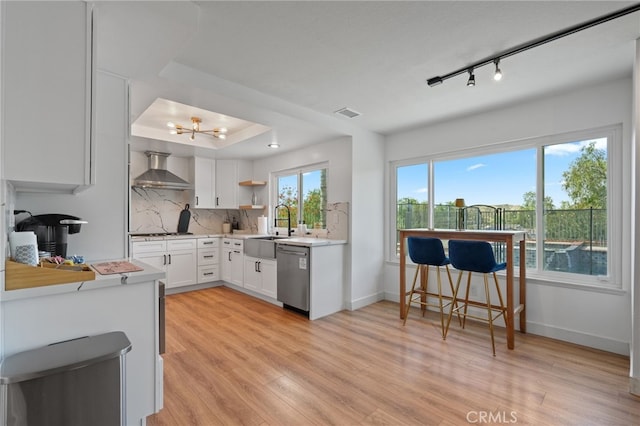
20,276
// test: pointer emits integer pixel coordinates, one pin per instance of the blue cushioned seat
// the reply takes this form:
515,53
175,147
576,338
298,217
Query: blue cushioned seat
425,252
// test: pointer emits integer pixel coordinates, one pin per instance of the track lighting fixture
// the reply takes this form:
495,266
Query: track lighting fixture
472,78
497,76
434,81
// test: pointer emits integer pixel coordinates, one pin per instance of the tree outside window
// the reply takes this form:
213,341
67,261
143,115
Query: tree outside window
305,193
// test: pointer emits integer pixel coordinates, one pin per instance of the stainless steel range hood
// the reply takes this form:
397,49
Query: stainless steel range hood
158,176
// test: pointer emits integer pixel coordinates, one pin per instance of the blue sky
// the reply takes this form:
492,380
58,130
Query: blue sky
492,179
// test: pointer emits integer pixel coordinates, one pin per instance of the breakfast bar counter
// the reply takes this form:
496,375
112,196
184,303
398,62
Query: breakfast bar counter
507,237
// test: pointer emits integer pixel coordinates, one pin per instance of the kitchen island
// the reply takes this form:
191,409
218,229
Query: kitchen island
127,302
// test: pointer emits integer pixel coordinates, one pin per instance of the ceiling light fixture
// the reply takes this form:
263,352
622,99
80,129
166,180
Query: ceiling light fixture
177,129
434,81
498,74
472,79
274,145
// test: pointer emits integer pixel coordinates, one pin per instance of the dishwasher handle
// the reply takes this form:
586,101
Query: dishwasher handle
296,253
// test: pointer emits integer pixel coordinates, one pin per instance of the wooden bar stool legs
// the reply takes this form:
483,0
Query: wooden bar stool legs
427,252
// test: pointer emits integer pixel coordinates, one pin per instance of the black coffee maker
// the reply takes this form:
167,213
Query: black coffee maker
51,231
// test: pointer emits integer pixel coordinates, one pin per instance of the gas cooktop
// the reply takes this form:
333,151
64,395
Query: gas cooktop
158,234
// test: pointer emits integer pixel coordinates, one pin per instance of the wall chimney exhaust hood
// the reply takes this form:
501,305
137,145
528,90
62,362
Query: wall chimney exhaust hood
158,176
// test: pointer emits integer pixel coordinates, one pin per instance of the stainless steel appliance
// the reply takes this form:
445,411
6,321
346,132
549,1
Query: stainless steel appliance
294,266
157,176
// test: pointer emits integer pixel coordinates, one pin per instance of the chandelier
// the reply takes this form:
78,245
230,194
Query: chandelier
177,129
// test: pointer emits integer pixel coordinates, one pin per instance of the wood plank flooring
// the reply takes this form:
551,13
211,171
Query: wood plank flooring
232,359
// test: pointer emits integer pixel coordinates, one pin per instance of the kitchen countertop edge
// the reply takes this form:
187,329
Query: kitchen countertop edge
101,281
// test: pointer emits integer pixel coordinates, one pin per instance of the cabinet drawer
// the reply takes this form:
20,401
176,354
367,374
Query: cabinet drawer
207,243
208,256
208,273
233,243
188,244
149,247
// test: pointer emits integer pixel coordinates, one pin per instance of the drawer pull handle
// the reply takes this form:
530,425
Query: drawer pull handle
208,273
209,256
208,242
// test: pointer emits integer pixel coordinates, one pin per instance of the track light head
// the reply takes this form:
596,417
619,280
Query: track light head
472,78
434,81
498,74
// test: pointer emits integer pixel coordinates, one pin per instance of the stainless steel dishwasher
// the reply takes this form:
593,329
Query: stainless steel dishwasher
294,266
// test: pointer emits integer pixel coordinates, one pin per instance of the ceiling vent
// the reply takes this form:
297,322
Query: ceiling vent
347,112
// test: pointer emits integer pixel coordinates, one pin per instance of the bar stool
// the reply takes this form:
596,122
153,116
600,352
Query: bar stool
476,256
425,252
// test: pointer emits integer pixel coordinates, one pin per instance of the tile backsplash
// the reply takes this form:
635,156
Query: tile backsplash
158,210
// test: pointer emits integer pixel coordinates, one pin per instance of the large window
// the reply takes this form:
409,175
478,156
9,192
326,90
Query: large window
555,189
304,192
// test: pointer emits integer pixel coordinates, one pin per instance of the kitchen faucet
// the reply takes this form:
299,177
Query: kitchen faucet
288,217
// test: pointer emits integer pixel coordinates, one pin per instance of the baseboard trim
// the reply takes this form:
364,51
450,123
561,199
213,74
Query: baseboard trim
571,336
579,338
365,301
176,290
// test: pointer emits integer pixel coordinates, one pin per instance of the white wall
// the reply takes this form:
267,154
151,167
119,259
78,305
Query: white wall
367,213
592,318
104,205
356,175
635,292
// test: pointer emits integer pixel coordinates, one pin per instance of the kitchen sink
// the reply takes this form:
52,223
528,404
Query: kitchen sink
262,247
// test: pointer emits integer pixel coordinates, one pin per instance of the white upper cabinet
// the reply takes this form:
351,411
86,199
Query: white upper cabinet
227,184
216,182
204,175
47,114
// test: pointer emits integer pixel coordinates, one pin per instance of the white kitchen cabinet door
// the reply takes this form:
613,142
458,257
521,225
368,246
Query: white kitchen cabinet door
225,264
47,68
227,184
237,268
252,279
233,267
232,261
204,183
182,268
269,276
156,259
260,276
178,258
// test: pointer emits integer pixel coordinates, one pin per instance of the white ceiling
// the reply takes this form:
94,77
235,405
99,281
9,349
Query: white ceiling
290,65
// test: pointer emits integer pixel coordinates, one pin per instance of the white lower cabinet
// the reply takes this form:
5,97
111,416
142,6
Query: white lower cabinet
178,258
232,261
260,276
208,260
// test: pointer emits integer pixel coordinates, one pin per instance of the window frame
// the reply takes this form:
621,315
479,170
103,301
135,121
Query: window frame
613,133
299,171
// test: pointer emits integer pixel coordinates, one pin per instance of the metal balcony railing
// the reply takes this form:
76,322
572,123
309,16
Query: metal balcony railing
575,240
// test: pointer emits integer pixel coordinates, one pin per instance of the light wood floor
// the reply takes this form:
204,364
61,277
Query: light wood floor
232,359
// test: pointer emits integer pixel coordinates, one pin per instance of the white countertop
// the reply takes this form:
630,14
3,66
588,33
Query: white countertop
148,273
308,241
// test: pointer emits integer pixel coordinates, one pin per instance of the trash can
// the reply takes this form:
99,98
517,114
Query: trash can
74,382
